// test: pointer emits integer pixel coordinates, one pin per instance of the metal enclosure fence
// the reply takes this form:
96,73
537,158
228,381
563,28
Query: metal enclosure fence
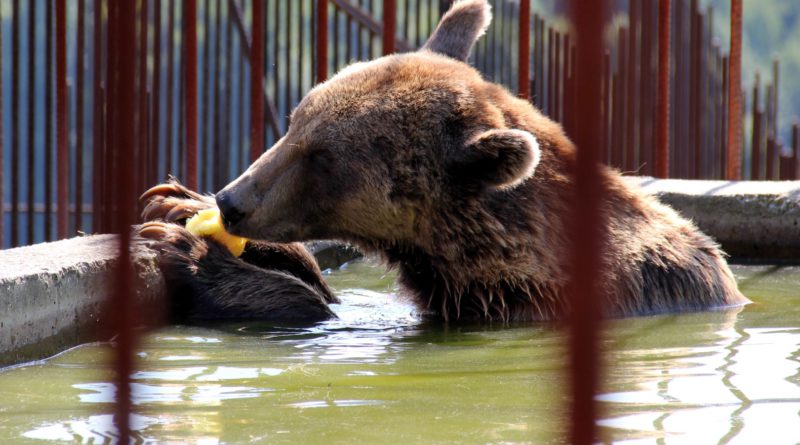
55,166
102,98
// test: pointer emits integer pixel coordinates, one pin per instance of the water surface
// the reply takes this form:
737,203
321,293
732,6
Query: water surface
380,375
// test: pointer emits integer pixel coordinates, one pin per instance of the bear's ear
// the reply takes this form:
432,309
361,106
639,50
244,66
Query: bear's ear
459,28
498,158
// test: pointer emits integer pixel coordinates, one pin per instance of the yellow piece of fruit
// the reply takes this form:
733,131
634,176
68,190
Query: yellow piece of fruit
209,223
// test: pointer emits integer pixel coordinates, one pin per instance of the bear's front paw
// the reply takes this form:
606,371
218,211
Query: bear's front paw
173,203
180,251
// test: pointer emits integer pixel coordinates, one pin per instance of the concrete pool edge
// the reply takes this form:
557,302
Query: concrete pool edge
752,220
52,294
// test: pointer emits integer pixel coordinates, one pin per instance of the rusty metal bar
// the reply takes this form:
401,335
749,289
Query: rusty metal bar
644,115
662,154
389,26
608,149
242,150
366,19
287,102
155,126
734,96
724,121
550,72
62,134
97,110
775,83
557,79
588,19
79,115
121,132
755,149
795,169
190,89
227,146
216,144
322,40
772,156
256,83
15,122
206,123
2,149
169,137
301,47
629,81
140,139
31,119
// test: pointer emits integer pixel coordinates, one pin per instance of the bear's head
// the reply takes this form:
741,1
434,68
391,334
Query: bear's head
374,152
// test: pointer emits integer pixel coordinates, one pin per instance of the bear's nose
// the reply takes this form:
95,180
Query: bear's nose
230,214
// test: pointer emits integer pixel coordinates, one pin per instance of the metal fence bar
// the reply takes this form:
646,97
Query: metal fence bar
589,20
389,26
122,93
31,118
15,122
62,132
256,82
155,122
322,41
189,61
2,149
734,96
79,114
664,27
524,54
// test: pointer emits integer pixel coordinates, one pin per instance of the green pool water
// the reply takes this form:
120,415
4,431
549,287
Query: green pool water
380,375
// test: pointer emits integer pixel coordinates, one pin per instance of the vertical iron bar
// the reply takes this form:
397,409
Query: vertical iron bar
168,146
155,126
15,122
206,125
288,67
557,80
662,156
322,40
755,146
588,19
228,90
190,89
795,172
256,82
734,95
2,148
122,94
79,127
97,107
140,147
550,75
216,153
389,25
62,134
31,74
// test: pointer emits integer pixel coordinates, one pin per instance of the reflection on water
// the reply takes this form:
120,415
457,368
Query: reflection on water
380,375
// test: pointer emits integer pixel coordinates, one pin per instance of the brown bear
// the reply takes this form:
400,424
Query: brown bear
465,189
269,281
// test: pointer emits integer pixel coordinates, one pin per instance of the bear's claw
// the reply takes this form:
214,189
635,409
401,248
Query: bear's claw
172,202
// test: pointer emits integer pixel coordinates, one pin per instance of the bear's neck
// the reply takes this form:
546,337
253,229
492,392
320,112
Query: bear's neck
478,260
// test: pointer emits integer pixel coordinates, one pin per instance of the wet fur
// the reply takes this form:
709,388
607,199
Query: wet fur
279,282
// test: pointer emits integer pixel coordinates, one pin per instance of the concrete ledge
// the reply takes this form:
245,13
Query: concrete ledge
53,295
752,220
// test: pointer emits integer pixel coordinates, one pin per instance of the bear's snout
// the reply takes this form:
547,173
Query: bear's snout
231,215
